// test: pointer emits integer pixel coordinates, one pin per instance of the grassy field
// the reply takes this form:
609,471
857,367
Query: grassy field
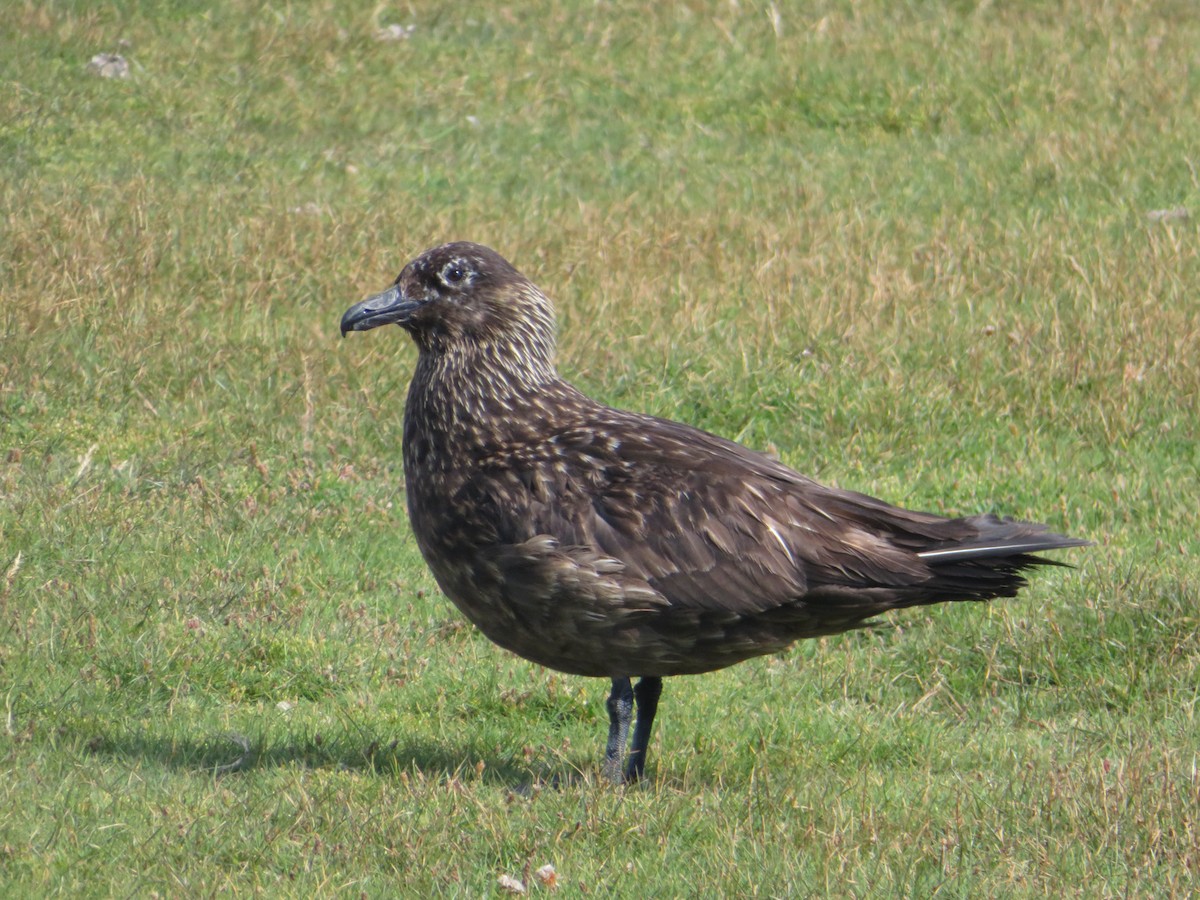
915,248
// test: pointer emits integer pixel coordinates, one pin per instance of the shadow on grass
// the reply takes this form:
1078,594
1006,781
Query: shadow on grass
230,754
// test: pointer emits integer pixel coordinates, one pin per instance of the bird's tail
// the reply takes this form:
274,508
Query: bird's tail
995,537
987,561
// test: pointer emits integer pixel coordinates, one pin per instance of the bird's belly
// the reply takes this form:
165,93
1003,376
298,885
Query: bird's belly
560,608
567,606
520,603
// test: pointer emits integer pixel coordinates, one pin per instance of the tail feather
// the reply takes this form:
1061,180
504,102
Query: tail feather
991,562
1003,549
991,537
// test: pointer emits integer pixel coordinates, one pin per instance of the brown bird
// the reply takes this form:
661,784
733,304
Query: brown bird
602,542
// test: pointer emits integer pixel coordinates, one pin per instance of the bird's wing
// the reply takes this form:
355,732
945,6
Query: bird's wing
707,523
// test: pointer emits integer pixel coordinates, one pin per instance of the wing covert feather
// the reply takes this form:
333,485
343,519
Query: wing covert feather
705,522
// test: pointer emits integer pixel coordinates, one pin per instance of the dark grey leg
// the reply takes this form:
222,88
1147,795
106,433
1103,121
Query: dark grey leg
620,714
647,692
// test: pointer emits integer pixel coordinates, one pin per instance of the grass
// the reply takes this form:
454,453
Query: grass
906,245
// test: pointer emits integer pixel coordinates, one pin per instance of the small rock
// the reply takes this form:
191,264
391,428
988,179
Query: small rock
109,65
1174,214
393,33
510,884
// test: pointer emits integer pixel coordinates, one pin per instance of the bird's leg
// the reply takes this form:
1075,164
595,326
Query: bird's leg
647,693
620,714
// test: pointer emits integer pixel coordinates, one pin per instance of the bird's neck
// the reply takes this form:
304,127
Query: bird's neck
465,402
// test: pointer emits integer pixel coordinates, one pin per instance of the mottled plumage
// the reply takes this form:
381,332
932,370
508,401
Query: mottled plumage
602,542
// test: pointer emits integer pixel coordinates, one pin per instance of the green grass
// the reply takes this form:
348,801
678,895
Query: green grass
905,245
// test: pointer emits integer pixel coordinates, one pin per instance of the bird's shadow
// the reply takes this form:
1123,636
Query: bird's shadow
229,754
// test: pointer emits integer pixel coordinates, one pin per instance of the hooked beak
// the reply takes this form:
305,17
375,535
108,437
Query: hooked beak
383,309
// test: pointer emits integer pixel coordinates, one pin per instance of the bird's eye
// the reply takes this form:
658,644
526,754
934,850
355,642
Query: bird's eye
454,273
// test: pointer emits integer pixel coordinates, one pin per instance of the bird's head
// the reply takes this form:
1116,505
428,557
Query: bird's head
463,296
